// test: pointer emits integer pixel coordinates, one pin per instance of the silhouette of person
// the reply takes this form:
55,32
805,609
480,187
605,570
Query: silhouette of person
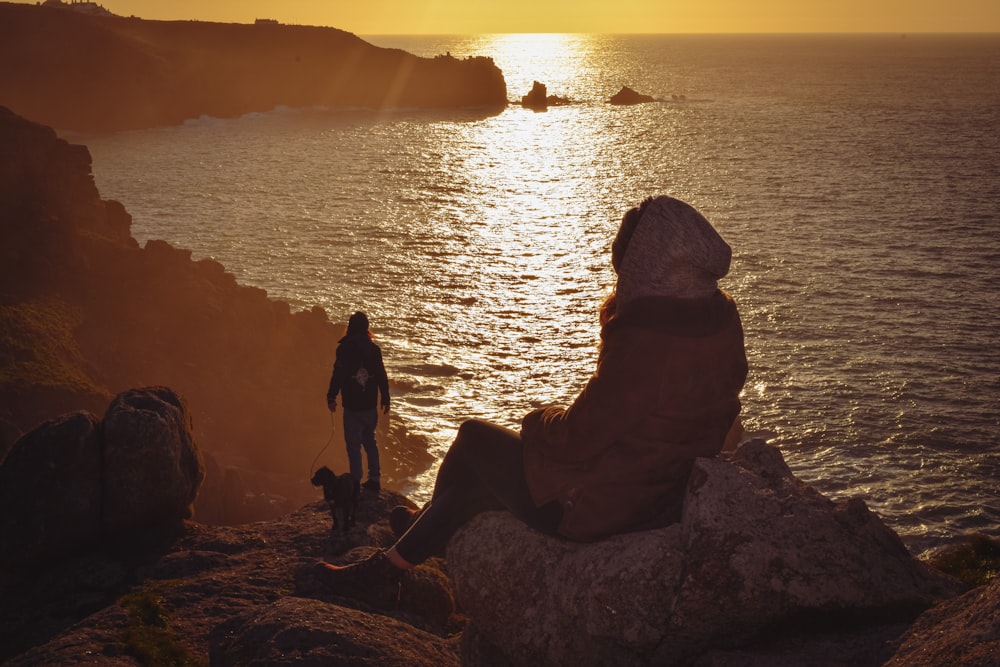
666,390
359,377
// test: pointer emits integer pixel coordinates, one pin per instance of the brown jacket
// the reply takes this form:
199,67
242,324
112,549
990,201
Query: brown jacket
666,390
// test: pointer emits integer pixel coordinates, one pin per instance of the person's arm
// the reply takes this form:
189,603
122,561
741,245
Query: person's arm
613,401
335,383
383,382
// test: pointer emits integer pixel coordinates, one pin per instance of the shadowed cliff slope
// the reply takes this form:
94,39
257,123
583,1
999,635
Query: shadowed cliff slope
99,74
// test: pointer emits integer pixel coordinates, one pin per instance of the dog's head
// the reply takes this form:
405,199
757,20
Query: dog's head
323,477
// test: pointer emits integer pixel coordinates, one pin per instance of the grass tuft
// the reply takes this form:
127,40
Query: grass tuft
148,637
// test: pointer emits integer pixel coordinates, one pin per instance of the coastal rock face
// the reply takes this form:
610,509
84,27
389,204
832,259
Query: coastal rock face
107,73
73,480
756,551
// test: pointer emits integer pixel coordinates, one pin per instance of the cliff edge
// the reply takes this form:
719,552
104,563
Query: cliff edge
77,72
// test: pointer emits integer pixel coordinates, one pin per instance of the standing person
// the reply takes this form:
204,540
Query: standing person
359,377
666,390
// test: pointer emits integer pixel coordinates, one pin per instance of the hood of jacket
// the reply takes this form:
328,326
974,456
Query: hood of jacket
673,252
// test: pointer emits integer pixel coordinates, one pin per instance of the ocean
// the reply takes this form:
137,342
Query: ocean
857,178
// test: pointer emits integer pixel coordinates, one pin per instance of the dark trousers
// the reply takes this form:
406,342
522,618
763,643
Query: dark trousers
483,470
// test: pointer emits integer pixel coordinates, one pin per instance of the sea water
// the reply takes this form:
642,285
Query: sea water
857,178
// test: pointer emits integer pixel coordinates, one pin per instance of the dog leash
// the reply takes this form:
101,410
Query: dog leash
333,430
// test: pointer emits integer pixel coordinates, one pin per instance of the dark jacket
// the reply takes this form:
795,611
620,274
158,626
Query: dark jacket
666,390
358,374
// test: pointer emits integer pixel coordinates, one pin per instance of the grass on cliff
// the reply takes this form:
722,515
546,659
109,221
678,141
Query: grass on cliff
38,345
148,637
975,559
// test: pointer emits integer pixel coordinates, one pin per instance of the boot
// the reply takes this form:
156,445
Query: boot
374,579
401,518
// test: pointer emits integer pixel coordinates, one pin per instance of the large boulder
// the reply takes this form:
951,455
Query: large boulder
75,480
152,467
50,490
756,552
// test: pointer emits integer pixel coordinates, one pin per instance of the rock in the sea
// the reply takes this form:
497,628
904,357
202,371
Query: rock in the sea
756,551
152,467
536,97
628,96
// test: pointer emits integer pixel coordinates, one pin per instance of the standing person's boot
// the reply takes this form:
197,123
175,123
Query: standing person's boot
374,578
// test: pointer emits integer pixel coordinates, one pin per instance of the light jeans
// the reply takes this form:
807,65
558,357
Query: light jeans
359,431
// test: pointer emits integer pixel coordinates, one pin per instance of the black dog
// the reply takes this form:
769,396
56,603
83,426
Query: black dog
341,493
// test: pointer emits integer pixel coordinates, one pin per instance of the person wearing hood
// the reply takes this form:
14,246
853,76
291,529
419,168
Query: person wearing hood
359,377
666,390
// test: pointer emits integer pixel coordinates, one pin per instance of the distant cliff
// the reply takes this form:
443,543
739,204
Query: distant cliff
84,73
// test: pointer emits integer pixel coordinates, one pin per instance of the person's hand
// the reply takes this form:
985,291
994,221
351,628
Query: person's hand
332,405
385,408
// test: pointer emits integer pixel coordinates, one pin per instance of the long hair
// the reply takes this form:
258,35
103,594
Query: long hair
608,308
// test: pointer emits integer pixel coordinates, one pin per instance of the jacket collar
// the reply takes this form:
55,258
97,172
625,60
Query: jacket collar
679,317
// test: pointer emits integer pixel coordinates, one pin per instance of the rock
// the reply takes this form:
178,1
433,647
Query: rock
538,100
536,97
628,96
756,552
50,491
293,631
964,632
74,480
152,467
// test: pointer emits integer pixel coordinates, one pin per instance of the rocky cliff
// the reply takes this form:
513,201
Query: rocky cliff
87,313
85,73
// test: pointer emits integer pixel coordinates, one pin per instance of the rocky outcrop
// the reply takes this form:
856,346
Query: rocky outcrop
628,96
75,481
757,553
964,632
88,73
538,98
88,313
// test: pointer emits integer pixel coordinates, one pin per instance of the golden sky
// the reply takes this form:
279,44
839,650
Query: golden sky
372,17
